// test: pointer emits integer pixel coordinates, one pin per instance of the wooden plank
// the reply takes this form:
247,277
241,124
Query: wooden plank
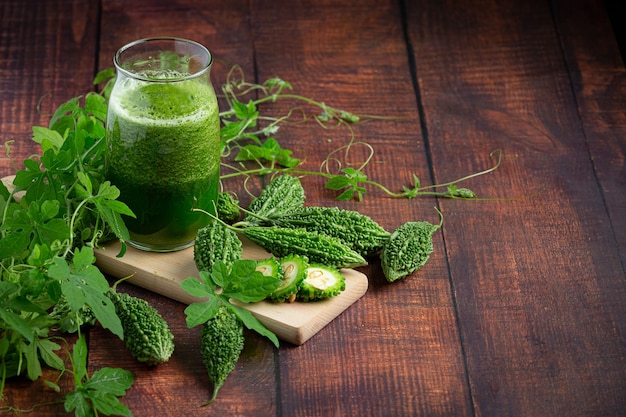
47,60
599,84
539,288
163,273
353,56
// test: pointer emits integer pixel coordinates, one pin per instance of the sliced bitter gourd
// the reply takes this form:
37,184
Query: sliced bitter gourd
321,282
293,267
270,268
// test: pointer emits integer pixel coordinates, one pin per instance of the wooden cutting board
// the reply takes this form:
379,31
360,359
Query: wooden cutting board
162,273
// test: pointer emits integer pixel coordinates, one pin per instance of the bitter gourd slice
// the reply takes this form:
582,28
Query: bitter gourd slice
321,282
317,247
269,267
293,267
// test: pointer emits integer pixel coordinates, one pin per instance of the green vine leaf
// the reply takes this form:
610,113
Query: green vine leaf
350,180
83,283
270,152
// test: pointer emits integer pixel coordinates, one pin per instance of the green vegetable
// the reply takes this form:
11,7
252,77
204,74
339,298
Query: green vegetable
357,230
216,242
227,208
317,247
221,343
146,333
270,268
408,249
65,208
281,196
270,150
321,282
293,267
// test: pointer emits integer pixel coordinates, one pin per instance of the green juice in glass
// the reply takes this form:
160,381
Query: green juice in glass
163,151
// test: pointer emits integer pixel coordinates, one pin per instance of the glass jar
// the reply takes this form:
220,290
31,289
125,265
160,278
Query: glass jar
163,140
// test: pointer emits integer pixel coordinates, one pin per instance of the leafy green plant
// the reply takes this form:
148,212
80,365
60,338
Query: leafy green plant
47,236
99,392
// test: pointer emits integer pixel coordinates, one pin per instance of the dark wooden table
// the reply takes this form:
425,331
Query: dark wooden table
521,310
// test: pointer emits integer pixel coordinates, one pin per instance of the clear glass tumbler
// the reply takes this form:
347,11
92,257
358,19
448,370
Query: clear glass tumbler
163,140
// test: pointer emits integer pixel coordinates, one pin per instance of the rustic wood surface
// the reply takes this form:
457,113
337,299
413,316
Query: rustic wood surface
521,310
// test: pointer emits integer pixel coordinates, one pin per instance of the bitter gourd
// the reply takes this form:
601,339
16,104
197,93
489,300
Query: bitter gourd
408,249
221,343
282,195
227,207
357,230
146,333
216,242
321,282
293,267
317,247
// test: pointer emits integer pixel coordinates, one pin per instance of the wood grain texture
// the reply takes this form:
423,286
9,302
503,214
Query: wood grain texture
540,303
41,68
599,83
520,310
355,58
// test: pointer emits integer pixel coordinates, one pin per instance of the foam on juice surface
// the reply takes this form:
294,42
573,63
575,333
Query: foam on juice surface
127,103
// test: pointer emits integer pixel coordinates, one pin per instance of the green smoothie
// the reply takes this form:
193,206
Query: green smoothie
163,151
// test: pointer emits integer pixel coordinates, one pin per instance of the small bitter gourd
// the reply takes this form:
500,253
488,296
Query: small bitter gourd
408,249
357,230
321,282
221,343
282,195
146,333
227,207
317,247
216,242
293,267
